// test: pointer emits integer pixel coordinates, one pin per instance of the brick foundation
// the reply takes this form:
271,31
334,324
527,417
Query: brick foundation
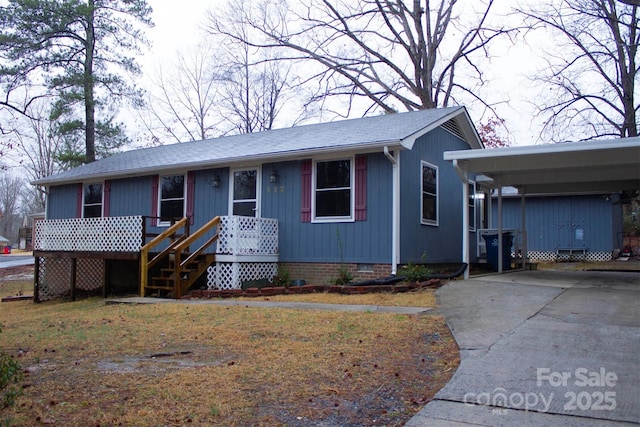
326,273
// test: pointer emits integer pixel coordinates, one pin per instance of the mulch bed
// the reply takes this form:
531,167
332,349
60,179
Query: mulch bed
309,289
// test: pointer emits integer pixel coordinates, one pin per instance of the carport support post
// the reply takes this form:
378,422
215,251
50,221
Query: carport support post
500,266
523,232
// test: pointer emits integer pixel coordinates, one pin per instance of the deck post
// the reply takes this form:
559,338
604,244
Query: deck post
144,271
36,279
73,278
107,278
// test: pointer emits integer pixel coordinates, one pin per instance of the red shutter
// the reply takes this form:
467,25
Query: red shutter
154,200
361,188
191,184
305,190
79,200
106,207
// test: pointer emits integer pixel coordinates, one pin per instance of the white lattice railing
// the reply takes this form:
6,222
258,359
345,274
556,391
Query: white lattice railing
106,234
242,235
238,235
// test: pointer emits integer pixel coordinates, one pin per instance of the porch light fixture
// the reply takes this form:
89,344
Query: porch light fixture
273,177
215,181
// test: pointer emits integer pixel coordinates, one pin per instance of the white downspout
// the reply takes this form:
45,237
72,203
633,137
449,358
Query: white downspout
462,173
395,209
46,202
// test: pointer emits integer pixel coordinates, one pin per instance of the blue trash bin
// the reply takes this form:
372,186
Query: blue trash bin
491,243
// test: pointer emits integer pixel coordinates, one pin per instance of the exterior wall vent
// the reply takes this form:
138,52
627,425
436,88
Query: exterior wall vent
452,127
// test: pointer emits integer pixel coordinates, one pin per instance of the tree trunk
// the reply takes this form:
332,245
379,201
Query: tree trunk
89,103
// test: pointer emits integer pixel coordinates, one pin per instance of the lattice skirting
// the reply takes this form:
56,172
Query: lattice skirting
590,256
54,278
231,275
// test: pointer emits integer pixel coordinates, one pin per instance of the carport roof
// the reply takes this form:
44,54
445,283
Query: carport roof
576,167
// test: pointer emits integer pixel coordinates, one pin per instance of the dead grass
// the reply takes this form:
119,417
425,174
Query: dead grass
92,364
419,298
630,264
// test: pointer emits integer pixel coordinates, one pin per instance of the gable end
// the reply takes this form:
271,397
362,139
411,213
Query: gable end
452,127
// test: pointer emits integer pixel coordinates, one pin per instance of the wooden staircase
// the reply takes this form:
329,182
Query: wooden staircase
188,274
181,267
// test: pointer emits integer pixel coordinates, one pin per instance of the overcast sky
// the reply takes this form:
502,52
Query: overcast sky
178,28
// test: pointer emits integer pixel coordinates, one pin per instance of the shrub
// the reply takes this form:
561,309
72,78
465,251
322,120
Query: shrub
415,272
344,276
10,377
283,278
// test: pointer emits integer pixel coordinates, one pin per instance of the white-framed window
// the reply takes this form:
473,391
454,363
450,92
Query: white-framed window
429,194
333,198
472,205
92,200
171,198
244,194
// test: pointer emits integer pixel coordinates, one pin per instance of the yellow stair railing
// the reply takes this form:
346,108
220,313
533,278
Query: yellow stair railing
184,267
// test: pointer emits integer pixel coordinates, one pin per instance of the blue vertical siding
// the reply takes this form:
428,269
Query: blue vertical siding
441,243
131,196
360,241
210,201
62,202
551,222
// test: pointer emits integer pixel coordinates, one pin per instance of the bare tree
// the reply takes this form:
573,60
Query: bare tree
31,201
10,189
394,54
183,103
255,85
39,146
221,87
593,70
252,91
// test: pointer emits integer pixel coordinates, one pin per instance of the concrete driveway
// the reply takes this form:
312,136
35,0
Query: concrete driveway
542,348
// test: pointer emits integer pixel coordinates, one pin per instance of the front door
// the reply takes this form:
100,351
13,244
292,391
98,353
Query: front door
245,194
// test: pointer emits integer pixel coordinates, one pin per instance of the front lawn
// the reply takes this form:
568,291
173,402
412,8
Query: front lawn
90,364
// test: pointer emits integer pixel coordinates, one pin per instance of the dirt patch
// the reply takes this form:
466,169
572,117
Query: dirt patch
22,272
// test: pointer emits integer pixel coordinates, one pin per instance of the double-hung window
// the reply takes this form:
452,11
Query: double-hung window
429,192
333,190
171,201
92,200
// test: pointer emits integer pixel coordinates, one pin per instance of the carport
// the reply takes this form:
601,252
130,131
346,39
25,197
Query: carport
576,167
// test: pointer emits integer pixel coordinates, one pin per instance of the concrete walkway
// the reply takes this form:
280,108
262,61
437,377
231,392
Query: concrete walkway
274,304
541,348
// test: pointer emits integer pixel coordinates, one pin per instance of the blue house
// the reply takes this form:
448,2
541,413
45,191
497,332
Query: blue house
368,194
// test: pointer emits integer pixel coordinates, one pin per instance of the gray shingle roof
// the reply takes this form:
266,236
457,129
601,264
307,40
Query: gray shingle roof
278,144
